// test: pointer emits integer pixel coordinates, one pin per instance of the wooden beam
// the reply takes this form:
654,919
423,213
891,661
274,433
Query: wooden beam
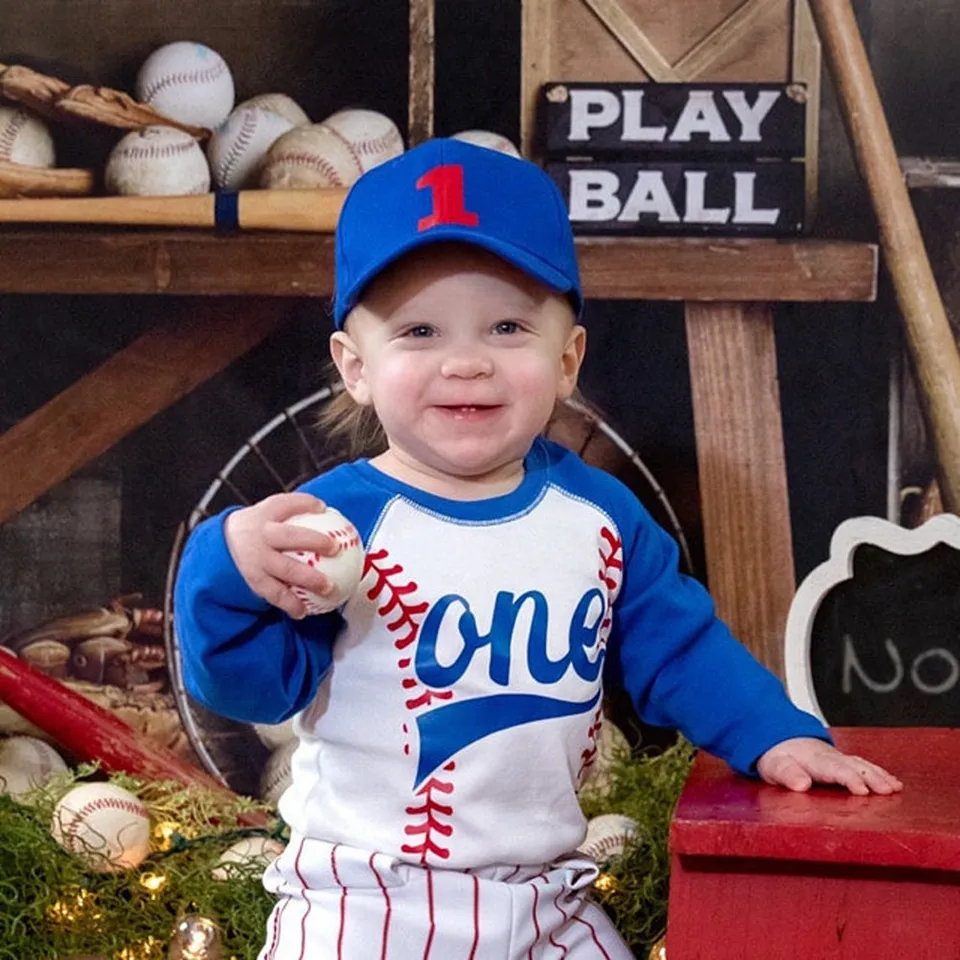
422,45
743,481
135,384
93,261
734,270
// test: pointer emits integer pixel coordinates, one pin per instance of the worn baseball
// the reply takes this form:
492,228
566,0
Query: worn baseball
25,139
487,138
188,82
370,137
247,853
276,774
157,161
273,735
27,763
105,826
240,143
344,569
309,158
612,745
607,836
282,104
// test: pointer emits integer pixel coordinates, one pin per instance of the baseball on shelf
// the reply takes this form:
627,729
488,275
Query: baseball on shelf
370,136
188,82
344,569
238,858
105,826
487,138
25,139
607,836
27,763
157,161
240,143
309,158
276,772
279,103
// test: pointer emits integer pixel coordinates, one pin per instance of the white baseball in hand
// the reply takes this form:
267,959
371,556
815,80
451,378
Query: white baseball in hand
105,826
187,82
344,569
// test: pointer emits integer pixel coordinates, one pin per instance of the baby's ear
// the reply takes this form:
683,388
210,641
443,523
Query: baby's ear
349,363
570,361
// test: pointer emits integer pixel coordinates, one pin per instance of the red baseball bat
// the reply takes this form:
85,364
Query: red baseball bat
95,734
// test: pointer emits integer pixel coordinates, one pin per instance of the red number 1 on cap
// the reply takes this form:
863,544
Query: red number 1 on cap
446,187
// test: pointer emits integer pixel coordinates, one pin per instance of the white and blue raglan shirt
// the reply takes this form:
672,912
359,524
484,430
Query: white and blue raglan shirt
448,712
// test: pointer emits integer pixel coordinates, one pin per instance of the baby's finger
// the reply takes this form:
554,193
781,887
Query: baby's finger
280,595
282,506
295,573
289,536
875,777
786,772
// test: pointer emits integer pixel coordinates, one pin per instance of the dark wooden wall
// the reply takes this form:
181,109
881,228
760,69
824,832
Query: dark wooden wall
110,528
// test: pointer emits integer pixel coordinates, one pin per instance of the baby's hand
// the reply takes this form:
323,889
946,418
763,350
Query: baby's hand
257,538
798,763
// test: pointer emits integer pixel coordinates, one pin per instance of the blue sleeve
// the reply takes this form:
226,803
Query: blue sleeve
679,662
242,657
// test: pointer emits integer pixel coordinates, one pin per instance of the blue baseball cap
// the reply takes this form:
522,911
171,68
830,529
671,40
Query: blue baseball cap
448,190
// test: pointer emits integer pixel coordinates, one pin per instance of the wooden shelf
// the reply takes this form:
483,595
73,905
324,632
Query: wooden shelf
77,260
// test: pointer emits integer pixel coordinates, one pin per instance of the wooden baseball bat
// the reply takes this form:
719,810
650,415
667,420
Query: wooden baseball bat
93,733
299,210
932,347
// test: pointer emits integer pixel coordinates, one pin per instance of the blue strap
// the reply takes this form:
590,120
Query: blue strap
226,211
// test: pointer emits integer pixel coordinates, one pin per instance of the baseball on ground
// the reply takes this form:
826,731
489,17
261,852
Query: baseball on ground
241,856
273,735
607,836
238,145
188,82
279,103
486,138
276,773
25,139
157,161
344,569
27,763
370,136
309,158
104,825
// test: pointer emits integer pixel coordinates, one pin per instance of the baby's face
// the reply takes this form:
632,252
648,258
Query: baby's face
463,357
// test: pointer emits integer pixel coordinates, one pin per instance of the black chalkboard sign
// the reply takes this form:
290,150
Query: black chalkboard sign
873,637
607,120
762,198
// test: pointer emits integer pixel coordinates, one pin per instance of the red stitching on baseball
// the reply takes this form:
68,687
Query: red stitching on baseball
349,147
197,76
375,145
227,165
10,132
154,152
311,161
102,803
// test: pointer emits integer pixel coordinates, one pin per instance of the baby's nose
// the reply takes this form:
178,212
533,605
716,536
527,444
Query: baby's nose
467,364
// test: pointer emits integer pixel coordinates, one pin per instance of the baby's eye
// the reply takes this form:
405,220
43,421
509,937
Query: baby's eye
421,330
507,326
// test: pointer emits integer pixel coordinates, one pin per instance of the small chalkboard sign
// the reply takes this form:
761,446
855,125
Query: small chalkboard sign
761,198
607,120
873,634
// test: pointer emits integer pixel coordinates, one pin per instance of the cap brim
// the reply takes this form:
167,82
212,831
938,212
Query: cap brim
528,262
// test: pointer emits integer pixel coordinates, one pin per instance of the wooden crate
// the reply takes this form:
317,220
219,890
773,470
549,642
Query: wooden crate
758,871
636,41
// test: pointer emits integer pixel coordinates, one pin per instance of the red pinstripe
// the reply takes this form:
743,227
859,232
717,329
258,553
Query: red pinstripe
433,926
306,913
343,900
536,923
593,933
556,903
386,918
476,918
275,933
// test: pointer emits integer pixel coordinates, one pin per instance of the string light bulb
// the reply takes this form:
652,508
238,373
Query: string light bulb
195,938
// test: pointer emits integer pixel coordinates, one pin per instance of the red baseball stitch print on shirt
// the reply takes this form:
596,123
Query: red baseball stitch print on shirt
429,824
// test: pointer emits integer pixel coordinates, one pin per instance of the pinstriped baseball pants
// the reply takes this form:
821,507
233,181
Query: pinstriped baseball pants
341,903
